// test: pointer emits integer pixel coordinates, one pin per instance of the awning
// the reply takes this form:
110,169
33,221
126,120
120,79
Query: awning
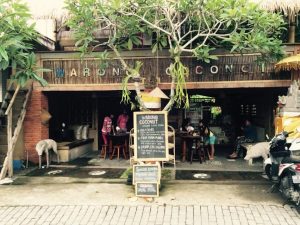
289,63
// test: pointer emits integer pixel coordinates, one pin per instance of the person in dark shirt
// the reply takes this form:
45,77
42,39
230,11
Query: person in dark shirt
249,137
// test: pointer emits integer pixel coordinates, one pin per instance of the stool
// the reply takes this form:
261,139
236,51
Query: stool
116,152
193,151
103,152
201,153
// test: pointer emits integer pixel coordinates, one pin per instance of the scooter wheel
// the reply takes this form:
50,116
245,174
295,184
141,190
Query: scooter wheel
268,170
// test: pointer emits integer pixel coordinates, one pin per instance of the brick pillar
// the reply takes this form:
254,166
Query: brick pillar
34,130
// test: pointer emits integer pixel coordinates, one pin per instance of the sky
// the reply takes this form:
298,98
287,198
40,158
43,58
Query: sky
44,13
42,8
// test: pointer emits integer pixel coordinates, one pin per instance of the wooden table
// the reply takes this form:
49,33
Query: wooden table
118,138
184,139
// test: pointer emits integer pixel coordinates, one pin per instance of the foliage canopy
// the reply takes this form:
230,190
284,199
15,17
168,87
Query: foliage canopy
194,27
16,38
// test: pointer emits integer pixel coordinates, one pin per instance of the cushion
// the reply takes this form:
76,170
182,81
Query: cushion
77,132
85,132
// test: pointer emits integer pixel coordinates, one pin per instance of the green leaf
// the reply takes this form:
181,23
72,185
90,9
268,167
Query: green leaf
3,53
22,80
129,44
213,57
41,80
228,23
154,48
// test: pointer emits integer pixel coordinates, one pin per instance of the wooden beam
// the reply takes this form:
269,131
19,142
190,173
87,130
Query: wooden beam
232,84
9,143
4,168
84,87
13,136
12,100
166,86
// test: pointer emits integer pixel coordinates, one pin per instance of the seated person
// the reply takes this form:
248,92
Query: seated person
209,138
186,125
248,137
122,121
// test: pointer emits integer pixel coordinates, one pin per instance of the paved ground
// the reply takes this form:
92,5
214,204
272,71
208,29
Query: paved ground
52,201
164,214
88,200
220,163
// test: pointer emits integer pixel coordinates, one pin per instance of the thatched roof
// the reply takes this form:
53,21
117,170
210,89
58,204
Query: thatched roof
289,63
42,8
158,93
288,7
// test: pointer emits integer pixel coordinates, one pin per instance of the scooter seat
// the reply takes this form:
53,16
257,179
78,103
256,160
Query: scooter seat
291,159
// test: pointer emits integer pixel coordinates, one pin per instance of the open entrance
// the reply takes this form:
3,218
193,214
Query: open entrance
224,110
70,110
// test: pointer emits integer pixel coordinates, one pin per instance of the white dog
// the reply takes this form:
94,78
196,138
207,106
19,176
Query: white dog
260,149
44,146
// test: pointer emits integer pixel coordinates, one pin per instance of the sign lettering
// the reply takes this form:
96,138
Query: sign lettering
73,73
146,173
151,136
229,67
147,189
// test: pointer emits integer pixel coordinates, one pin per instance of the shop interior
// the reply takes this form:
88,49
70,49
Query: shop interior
223,110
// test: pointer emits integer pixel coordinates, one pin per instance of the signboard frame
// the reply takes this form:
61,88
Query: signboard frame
145,195
166,155
147,165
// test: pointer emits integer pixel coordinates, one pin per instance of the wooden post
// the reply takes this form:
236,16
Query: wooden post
9,143
12,136
292,30
4,169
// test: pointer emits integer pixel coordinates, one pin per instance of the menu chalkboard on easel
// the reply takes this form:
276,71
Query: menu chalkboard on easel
146,189
146,173
151,135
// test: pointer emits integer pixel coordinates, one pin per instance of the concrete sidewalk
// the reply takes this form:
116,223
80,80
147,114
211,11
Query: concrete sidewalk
114,194
179,203
151,215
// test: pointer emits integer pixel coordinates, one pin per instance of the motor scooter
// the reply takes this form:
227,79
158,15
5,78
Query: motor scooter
283,166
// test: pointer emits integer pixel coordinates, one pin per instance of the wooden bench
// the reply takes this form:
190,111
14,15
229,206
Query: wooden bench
69,151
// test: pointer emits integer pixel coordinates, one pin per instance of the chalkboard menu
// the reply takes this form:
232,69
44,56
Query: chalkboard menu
151,139
146,173
146,189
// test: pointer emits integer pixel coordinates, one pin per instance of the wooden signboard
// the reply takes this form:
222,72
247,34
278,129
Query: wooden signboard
146,173
151,136
147,189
